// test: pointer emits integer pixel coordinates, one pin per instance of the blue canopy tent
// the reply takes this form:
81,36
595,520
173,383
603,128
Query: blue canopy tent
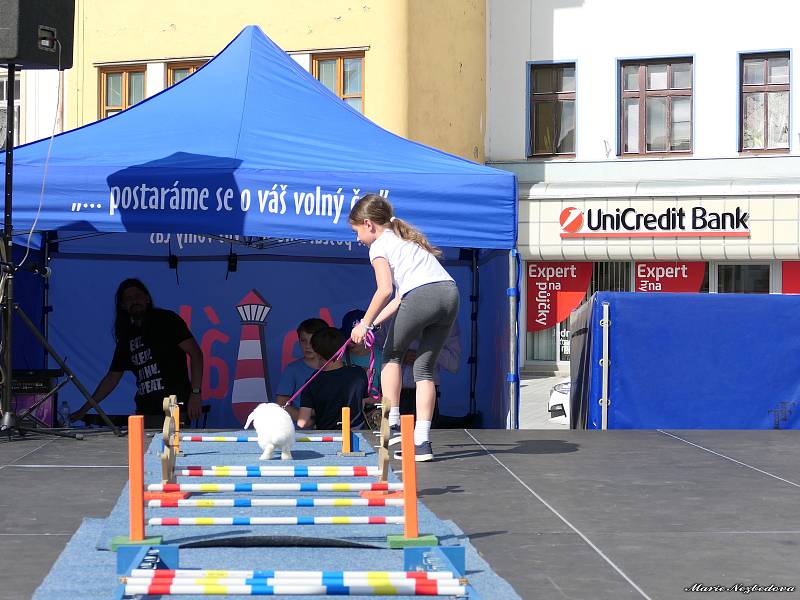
251,146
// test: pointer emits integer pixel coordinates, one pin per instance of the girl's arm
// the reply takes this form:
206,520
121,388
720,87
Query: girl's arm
383,278
388,311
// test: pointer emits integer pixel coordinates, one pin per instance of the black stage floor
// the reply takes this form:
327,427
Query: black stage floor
559,514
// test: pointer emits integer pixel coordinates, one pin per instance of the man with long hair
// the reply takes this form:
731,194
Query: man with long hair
152,343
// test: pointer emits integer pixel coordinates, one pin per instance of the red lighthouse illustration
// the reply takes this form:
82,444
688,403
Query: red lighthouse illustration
251,385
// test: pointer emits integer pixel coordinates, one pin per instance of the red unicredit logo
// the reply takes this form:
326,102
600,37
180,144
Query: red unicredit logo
571,219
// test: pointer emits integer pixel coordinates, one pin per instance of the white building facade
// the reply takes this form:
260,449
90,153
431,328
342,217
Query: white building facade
655,147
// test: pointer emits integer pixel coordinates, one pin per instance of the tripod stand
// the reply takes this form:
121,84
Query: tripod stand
10,422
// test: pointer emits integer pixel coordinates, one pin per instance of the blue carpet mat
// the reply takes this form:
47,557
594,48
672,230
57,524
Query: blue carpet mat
86,569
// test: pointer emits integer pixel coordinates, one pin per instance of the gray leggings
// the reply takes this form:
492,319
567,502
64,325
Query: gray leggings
426,313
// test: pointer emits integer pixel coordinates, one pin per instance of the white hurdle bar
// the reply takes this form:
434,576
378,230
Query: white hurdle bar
275,487
226,521
251,502
412,588
277,471
245,438
265,574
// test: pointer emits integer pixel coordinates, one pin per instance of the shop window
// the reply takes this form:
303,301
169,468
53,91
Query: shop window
656,107
553,344
541,345
743,279
764,102
121,88
552,110
177,72
610,277
343,74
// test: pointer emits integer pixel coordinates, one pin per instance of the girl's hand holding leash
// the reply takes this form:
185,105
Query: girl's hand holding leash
359,332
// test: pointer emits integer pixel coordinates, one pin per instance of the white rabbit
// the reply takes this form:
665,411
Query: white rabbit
275,429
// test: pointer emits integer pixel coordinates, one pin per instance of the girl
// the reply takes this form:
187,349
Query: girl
426,303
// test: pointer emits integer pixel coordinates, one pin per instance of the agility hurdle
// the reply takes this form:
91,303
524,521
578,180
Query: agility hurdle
350,447
152,570
348,439
409,519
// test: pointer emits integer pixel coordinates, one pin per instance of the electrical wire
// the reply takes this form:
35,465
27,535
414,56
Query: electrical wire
47,157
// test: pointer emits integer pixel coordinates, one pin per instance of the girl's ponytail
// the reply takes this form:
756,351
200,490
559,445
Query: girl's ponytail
407,231
378,210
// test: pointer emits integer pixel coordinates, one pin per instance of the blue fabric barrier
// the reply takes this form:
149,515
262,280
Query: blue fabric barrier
697,361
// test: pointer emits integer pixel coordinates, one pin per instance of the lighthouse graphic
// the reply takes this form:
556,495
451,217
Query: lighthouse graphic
251,384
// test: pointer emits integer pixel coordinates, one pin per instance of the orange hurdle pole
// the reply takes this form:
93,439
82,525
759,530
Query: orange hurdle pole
345,430
411,527
136,476
135,488
411,536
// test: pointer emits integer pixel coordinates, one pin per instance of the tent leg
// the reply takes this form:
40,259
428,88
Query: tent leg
473,347
513,343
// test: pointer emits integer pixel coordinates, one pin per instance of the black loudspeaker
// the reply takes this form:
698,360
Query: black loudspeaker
29,30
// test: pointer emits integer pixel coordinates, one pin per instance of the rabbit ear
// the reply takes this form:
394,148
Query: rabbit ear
249,420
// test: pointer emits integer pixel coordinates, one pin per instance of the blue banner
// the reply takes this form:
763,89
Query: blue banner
82,292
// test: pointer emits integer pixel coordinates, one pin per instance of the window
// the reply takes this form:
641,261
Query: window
343,74
177,72
553,344
743,279
3,100
120,88
552,106
656,107
764,119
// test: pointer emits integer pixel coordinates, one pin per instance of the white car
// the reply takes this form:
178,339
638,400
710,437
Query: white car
558,404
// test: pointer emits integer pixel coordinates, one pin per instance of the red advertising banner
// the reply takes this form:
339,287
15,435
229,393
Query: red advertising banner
669,276
555,289
790,274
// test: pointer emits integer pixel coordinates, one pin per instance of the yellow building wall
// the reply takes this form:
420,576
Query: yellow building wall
447,75
401,76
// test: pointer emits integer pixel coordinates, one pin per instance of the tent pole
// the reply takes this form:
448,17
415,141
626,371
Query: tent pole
9,419
45,324
473,347
513,374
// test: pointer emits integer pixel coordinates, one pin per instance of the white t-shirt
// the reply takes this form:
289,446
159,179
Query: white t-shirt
411,265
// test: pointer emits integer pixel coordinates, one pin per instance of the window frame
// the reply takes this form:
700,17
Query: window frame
191,65
340,58
765,89
553,96
642,94
125,70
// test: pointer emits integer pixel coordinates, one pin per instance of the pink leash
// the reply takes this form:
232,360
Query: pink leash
369,340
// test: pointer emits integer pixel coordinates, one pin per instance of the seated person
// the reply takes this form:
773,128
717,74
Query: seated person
359,354
337,386
299,371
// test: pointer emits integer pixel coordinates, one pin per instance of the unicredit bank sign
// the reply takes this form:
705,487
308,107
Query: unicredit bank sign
693,221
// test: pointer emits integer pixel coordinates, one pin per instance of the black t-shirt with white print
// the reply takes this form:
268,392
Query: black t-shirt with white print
152,353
